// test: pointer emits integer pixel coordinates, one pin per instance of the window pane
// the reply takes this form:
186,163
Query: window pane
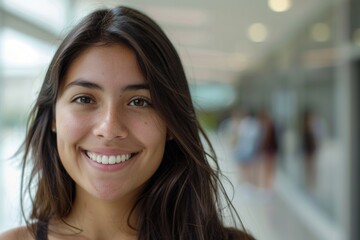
49,14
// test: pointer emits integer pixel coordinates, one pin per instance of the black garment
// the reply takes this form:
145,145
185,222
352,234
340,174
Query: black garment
41,231
233,234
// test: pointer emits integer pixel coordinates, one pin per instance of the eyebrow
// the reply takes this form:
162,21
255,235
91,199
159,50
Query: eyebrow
133,87
84,83
91,85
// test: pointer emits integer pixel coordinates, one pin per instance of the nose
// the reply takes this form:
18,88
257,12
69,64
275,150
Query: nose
111,124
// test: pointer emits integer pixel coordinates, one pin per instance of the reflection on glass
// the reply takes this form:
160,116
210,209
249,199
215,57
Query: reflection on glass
21,53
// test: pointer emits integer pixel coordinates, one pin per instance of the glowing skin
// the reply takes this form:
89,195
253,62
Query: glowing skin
110,138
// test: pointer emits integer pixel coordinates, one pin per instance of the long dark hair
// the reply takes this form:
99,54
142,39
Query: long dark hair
181,200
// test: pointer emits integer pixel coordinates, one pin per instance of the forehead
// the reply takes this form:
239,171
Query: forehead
105,62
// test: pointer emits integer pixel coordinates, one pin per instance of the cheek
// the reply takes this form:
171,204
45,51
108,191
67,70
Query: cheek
70,128
152,131
152,134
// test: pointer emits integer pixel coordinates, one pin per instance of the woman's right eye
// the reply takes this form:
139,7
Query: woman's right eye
84,100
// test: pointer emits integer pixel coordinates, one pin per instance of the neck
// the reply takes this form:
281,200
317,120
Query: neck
93,218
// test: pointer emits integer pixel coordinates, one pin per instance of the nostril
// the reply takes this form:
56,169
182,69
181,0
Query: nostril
110,130
111,123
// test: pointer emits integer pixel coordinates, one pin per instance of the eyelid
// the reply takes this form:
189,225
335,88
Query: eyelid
76,98
146,99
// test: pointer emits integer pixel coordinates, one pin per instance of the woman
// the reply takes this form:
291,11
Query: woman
114,143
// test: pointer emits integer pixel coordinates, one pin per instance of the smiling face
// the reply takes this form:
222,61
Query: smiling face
110,138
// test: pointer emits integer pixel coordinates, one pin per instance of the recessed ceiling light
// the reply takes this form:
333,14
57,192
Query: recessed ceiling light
320,32
258,32
279,5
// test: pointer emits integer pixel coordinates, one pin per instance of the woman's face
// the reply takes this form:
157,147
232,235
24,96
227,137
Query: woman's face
110,138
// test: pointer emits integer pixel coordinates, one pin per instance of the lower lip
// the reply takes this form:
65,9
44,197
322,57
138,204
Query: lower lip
109,167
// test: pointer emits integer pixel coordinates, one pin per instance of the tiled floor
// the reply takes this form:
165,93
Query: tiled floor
265,214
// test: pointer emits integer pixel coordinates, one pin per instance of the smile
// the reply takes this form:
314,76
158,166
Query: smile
109,159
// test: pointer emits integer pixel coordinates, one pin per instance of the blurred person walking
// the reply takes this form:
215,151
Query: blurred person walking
246,148
269,149
229,126
313,132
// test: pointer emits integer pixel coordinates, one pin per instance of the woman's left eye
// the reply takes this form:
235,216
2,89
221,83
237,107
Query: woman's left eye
140,102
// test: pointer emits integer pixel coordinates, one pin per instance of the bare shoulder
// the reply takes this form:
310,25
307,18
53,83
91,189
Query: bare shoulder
236,234
16,233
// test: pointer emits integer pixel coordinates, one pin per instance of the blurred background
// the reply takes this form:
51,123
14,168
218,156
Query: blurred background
275,84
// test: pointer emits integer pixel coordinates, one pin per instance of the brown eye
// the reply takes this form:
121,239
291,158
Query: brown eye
84,100
140,102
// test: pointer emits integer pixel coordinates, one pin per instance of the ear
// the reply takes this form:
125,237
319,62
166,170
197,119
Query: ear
53,126
169,136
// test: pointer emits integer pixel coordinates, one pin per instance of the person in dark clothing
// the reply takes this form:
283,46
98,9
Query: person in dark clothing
309,145
269,149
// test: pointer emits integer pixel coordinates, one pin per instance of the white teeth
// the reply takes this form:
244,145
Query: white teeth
106,159
112,159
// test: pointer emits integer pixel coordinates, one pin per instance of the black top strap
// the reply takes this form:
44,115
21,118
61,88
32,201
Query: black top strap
41,231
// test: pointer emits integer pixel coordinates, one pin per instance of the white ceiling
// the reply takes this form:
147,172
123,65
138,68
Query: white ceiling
212,35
